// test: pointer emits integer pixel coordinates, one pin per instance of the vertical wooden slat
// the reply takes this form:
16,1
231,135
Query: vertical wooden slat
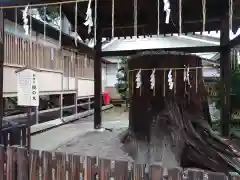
193,174
46,165
104,169
22,164
214,176
82,161
7,48
11,163
19,51
95,168
89,168
70,167
2,161
156,172
121,170
175,173
138,172
61,166
73,167
14,52
34,165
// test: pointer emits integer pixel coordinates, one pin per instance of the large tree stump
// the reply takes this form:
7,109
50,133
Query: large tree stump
145,103
181,113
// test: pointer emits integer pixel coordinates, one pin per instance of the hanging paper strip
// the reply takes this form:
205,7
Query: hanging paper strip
25,20
170,80
88,19
138,79
186,75
167,10
152,79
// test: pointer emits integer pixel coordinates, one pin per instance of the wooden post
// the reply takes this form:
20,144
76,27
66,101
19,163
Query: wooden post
29,114
225,73
2,34
37,114
98,72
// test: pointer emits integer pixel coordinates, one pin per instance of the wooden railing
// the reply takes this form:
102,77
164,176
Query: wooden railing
18,164
19,51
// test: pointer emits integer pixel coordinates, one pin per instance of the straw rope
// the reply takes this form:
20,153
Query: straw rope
38,5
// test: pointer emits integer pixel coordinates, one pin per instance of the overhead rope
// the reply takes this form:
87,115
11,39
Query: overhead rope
135,18
37,5
230,13
158,21
113,12
180,17
204,15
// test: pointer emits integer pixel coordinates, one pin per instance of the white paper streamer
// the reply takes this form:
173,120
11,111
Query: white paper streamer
138,79
186,75
25,20
152,79
170,80
88,19
167,10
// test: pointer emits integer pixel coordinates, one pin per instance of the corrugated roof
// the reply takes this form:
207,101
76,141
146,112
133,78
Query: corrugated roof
161,42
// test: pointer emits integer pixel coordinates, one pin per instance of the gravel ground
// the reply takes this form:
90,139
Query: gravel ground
80,138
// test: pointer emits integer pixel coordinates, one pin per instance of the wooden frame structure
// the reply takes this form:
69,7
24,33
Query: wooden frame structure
217,19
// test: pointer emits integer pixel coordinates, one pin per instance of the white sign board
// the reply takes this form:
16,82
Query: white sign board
27,84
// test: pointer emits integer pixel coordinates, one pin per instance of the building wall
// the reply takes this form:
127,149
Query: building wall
60,70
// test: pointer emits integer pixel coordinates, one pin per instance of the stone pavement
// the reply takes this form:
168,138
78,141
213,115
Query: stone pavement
52,139
80,138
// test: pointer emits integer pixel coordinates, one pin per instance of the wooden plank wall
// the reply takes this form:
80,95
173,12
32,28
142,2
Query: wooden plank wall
19,51
16,164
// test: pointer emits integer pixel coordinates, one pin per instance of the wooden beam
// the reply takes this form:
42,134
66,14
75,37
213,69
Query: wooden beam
197,49
98,74
225,74
2,34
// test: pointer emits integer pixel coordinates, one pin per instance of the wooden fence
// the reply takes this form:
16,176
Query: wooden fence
17,164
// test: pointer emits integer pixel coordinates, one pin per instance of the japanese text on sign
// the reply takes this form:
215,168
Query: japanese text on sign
28,94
